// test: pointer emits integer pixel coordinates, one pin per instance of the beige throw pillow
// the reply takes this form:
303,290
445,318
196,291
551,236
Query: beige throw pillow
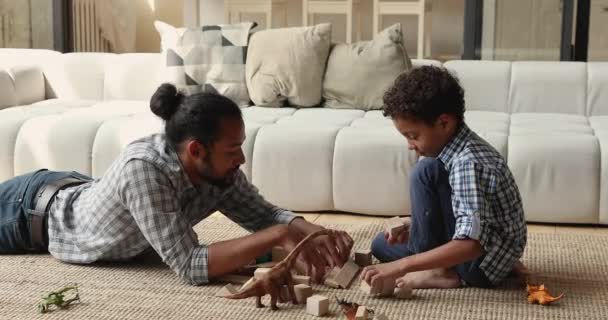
287,65
358,74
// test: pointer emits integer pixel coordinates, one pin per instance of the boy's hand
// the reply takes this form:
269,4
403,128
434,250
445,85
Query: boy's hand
379,274
402,236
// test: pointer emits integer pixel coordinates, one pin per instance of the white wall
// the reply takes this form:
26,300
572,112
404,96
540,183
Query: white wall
169,11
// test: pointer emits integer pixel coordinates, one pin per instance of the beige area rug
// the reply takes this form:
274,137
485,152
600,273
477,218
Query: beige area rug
576,264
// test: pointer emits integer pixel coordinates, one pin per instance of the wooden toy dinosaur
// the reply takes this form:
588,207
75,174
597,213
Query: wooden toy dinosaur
541,295
279,275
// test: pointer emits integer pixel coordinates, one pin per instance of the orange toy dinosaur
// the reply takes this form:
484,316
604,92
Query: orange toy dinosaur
541,295
350,309
279,275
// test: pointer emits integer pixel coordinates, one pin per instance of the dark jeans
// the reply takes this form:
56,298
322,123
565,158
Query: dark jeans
433,221
16,204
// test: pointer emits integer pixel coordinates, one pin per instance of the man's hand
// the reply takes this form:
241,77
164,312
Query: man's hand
326,253
379,274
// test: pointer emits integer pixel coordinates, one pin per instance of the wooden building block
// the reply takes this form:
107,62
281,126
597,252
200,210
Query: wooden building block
302,292
383,290
347,274
361,313
226,290
330,278
394,226
403,293
317,305
298,279
260,271
363,258
366,288
278,254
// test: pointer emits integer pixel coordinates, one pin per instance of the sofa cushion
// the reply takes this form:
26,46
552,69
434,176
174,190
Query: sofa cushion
322,116
207,58
358,74
29,83
265,115
132,76
8,95
550,87
371,168
558,176
12,121
485,83
76,76
549,123
287,65
597,97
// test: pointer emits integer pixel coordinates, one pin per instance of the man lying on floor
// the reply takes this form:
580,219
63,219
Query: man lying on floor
467,224
152,196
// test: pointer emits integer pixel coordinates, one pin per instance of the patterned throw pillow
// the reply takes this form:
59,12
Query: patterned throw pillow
206,59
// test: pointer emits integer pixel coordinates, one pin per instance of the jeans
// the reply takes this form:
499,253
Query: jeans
16,204
433,222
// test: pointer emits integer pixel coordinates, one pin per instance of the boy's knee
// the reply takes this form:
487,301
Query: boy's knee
427,170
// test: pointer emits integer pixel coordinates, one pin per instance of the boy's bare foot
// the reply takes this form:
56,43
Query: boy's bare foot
430,279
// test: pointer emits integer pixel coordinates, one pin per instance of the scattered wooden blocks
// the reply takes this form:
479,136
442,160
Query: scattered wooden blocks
226,290
259,272
403,293
361,313
394,226
317,305
363,258
278,254
298,279
302,292
346,274
330,278
384,290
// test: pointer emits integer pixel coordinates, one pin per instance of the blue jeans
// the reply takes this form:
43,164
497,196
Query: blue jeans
16,204
433,221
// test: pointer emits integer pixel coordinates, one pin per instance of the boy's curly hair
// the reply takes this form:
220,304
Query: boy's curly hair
424,93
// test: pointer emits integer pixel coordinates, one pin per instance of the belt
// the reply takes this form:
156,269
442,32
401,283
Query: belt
41,203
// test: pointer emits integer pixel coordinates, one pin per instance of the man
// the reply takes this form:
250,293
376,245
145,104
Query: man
154,193
467,220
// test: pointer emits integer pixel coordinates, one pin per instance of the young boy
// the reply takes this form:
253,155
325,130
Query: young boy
467,221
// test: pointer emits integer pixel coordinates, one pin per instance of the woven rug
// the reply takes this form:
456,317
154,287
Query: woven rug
576,264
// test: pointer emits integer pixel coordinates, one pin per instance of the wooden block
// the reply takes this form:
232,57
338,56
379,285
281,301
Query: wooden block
284,295
361,313
260,271
347,274
403,293
330,282
233,278
226,290
394,225
298,279
317,305
278,254
302,292
363,258
366,288
380,316
330,278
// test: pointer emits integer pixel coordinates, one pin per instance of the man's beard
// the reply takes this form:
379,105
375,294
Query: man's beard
225,182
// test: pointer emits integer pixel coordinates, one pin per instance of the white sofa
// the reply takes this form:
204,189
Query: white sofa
549,119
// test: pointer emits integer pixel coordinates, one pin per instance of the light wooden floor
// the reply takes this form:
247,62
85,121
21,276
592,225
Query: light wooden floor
532,227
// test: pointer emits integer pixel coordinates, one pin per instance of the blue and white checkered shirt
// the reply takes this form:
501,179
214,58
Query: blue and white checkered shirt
486,202
146,200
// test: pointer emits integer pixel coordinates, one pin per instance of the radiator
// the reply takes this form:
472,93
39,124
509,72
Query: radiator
85,28
5,30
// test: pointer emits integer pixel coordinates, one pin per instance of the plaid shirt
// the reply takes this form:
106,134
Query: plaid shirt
486,202
146,200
